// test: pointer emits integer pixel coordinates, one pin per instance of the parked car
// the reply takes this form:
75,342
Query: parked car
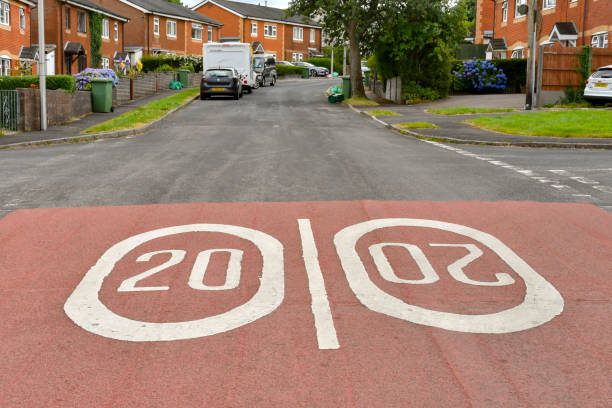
314,70
232,55
599,85
284,63
265,67
221,81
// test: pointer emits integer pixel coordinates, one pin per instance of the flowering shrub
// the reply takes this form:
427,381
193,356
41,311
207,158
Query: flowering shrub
481,76
126,68
83,78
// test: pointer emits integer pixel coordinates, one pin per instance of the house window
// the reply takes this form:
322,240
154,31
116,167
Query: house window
519,3
82,62
81,22
196,31
5,66
269,30
599,40
505,11
105,29
312,35
297,56
254,29
5,13
548,4
210,36
68,18
21,18
518,53
298,34
105,63
156,26
116,31
171,28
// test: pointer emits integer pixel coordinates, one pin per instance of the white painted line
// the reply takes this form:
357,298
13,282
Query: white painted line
498,163
560,172
526,172
542,179
324,323
584,180
605,189
560,186
582,195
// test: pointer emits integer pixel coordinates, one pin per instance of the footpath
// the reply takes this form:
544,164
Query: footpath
71,132
451,130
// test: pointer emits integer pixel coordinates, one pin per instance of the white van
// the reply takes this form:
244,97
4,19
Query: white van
231,55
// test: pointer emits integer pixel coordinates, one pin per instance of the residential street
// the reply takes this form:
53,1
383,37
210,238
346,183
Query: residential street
312,258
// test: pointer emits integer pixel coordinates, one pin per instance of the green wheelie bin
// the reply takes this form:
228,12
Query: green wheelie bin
102,94
183,77
346,87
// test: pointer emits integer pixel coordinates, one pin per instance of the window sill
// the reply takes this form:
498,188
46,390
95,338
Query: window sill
548,11
269,36
520,18
296,40
171,37
196,39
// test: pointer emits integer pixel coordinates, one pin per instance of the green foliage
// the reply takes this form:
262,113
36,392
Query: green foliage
322,62
188,68
175,1
414,93
95,38
514,68
65,82
572,95
164,68
151,63
338,57
584,65
282,70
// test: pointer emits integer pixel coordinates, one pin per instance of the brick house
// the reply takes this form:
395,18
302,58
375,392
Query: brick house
68,37
288,38
14,34
161,27
570,22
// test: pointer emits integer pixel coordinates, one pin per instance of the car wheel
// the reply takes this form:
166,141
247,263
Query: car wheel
249,90
273,82
313,73
202,97
241,92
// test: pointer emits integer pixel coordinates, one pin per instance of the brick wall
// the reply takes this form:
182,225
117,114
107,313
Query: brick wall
301,46
121,93
144,85
62,107
232,24
163,81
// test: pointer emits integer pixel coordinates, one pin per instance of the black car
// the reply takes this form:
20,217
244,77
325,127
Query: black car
220,81
265,67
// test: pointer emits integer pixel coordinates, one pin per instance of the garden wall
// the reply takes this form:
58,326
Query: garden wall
62,107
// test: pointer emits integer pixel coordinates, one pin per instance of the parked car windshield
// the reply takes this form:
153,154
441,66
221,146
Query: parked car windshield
258,64
603,73
218,73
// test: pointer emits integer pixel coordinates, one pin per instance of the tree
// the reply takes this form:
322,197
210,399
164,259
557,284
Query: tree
355,20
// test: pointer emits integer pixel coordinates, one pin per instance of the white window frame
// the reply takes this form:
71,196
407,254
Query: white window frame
195,29
22,19
5,66
518,4
171,28
600,40
105,28
313,36
505,11
270,30
210,33
549,4
5,13
116,26
156,26
105,63
253,29
518,53
297,56
298,33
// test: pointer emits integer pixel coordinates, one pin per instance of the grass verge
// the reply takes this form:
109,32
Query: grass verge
462,110
382,112
416,125
571,123
361,102
144,115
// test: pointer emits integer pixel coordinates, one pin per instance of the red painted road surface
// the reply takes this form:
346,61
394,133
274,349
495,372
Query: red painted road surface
336,304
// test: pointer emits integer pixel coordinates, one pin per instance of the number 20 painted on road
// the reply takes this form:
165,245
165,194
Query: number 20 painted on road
542,302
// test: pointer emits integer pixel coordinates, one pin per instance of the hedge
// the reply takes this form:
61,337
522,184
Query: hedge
150,63
514,68
283,70
65,82
322,62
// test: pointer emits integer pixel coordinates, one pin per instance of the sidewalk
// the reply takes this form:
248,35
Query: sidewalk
451,130
73,129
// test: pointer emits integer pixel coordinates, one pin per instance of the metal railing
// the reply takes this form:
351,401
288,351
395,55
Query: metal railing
9,110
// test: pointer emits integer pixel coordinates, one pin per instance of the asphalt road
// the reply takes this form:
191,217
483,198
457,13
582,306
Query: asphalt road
286,143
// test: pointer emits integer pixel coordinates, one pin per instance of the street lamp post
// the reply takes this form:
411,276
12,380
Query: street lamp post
42,66
532,41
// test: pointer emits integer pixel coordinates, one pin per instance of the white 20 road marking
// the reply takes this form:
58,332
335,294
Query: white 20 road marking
542,302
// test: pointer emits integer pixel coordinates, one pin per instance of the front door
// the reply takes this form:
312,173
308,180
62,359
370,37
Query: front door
50,60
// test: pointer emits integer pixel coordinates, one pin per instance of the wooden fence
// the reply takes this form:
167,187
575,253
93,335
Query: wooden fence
557,70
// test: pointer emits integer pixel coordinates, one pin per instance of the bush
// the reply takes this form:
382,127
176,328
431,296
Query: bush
151,63
322,62
413,93
164,68
514,68
480,76
65,82
338,57
83,78
283,70
188,68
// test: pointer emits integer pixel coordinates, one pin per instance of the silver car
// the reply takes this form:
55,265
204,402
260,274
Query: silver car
599,85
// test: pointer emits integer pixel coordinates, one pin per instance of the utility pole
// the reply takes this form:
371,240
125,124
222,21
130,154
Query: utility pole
332,59
344,61
532,44
42,65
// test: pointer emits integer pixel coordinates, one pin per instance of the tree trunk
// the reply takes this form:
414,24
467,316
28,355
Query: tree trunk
357,89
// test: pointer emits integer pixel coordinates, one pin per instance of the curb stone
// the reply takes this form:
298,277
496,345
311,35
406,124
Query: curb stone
92,137
451,140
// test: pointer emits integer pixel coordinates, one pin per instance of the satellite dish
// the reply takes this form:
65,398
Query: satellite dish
523,9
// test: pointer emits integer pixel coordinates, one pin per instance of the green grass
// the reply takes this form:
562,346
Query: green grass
569,123
462,110
416,125
361,102
143,115
382,112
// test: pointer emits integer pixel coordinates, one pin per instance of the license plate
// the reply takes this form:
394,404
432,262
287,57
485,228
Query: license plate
601,85
218,89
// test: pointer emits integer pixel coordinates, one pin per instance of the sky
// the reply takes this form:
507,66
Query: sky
271,3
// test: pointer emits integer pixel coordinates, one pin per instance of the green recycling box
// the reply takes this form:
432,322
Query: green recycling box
102,94
183,77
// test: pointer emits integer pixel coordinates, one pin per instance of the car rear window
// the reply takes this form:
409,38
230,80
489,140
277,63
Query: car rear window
218,73
603,73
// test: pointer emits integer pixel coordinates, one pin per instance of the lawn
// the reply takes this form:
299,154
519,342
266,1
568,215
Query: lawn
361,102
382,112
143,115
570,123
462,110
416,125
